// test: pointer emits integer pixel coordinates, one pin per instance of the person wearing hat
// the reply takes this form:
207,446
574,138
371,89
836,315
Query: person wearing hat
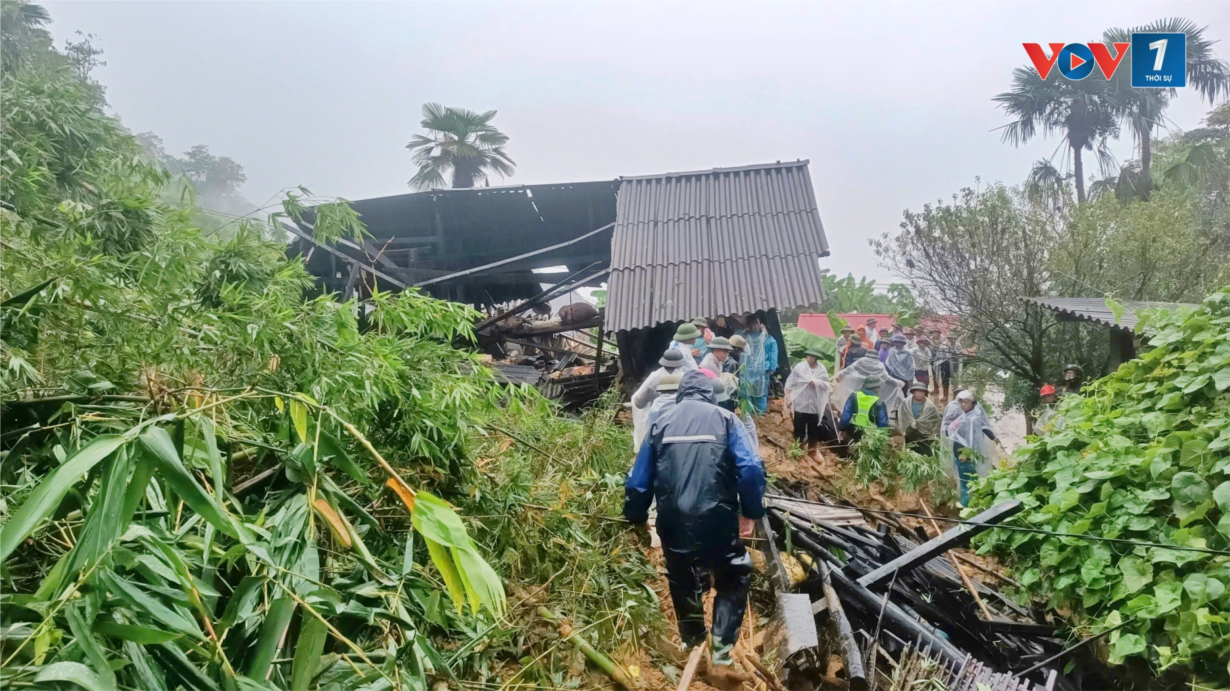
863,410
807,398
667,386
721,393
842,341
966,425
883,347
671,362
919,420
922,362
685,337
873,333
738,346
1073,378
1044,418
854,350
900,362
947,358
701,467
718,359
701,348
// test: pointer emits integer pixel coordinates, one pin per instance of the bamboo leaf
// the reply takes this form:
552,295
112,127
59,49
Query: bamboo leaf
145,635
299,416
276,621
104,521
484,581
93,651
47,496
161,448
72,673
443,559
308,649
144,602
336,526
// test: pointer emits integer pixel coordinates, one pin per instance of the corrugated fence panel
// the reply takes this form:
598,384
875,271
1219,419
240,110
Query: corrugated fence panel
713,243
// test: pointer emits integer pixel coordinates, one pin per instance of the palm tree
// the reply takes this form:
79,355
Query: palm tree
1143,109
460,142
1078,111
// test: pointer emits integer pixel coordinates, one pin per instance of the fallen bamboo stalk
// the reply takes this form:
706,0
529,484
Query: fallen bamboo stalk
606,664
855,672
689,671
986,613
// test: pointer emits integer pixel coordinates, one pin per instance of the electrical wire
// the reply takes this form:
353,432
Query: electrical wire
1023,529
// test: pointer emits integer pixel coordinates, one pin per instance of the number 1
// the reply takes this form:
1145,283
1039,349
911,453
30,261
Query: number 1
1160,47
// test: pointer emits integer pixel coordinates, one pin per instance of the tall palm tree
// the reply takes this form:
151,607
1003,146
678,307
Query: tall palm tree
459,142
1078,111
1143,109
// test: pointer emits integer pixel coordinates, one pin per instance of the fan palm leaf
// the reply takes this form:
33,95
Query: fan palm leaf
461,146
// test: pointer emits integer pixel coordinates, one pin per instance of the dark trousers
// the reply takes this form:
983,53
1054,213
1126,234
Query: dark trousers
815,428
918,442
730,573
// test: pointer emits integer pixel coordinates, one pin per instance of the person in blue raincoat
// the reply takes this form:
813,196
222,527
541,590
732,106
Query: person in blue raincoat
699,464
759,361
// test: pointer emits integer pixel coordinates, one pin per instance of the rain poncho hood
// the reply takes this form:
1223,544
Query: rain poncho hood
927,424
851,379
900,364
807,389
694,385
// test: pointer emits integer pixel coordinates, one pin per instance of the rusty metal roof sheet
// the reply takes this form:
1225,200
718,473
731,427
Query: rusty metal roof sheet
1095,310
714,243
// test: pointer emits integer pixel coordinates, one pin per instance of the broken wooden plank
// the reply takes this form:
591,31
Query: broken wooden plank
955,537
852,656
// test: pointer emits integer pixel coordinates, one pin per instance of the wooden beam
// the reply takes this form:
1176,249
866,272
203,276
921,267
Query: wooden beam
958,536
568,283
553,349
342,255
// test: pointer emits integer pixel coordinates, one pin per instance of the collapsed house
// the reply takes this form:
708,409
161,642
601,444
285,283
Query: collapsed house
720,243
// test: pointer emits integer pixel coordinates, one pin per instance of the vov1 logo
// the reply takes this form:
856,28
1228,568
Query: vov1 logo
1159,60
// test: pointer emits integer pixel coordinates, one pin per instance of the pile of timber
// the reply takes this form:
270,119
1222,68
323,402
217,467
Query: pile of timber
900,609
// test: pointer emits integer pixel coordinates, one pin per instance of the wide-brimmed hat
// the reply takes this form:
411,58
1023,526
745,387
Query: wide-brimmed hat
671,358
813,351
736,341
686,332
898,339
700,322
919,386
965,395
846,328
720,343
872,382
856,339
669,382
719,391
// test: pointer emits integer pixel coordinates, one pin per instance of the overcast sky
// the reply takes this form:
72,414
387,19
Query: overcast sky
891,102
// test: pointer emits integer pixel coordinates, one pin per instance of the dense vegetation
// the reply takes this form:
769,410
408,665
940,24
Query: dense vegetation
210,480
1143,455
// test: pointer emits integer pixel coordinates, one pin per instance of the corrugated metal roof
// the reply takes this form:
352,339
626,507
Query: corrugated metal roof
714,243
1095,310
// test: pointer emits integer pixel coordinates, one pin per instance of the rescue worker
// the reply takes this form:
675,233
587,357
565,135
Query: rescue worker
900,362
759,361
968,428
701,346
1045,416
667,387
807,397
719,360
699,464
671,362
1073,378
864,409
919,420
685,337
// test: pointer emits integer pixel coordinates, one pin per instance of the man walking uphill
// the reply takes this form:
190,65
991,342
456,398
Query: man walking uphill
698,462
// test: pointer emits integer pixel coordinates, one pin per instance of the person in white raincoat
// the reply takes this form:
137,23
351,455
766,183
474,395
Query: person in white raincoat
850,380
974,445
807,397
684,342
671,363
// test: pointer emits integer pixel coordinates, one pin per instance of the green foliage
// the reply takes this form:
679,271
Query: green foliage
1143,456
845,295
877,458
799,340
460,143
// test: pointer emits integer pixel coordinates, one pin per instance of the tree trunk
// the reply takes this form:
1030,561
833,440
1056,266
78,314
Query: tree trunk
1078,168
463,173
1146,155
